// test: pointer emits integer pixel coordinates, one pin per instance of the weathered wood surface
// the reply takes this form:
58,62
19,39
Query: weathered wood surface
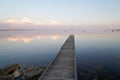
63,67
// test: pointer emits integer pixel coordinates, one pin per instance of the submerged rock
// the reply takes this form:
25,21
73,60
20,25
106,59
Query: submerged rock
15,72
7,77
32,72
9,69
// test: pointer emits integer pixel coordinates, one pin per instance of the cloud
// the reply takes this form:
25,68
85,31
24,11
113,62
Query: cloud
23,21
13,21
19,21
54,23
26,20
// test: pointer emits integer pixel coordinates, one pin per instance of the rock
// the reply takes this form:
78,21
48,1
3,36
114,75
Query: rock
8,77
16,73
9,69
32,72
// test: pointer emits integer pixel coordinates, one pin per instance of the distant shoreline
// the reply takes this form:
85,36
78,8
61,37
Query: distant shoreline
18,30
32,29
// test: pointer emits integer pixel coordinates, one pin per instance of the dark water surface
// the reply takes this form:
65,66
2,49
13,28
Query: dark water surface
97,54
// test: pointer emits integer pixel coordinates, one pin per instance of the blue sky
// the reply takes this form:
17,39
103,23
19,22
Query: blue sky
61,12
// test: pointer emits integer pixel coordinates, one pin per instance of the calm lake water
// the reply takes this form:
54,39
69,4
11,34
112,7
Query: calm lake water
97,54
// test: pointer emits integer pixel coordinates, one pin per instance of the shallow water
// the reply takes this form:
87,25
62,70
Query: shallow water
97,54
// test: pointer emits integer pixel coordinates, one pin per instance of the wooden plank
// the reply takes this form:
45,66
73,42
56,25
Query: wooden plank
63,67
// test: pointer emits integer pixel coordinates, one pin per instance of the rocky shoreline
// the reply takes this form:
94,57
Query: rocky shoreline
16,72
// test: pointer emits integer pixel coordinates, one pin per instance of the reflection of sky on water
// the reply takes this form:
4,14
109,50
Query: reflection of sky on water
29,47
98,55
94,52
29,39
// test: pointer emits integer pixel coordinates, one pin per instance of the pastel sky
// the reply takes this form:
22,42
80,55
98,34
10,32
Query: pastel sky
59,12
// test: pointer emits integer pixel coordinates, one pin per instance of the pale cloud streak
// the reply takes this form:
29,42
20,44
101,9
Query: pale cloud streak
55,23
19,21
12,21
28,23
26,20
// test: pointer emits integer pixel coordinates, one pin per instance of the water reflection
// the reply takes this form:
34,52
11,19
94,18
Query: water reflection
55,37
38,51
29,39
97,54
24,39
